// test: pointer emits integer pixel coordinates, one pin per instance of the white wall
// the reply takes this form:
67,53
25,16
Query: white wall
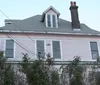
70,45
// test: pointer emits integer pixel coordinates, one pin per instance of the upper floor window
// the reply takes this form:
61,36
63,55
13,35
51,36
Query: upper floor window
94,50
51,21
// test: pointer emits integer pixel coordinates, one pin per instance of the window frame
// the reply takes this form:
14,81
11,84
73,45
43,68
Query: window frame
60,49
5,49
44,47
51,20
92,50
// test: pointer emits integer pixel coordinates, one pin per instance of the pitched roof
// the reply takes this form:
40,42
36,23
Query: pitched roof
34,24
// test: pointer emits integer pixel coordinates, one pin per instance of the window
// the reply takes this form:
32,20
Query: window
49,20
52,21
94,50
9,52
56,49
40,49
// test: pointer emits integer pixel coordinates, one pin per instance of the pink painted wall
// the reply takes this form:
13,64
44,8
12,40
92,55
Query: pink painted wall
70,45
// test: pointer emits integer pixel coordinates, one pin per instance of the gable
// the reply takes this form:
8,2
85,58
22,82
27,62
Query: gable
51,11
51,8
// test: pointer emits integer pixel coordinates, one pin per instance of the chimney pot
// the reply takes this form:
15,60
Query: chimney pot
74,3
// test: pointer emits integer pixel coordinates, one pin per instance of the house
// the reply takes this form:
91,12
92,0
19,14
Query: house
47,33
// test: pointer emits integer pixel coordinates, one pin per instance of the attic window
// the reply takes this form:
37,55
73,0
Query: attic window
51,21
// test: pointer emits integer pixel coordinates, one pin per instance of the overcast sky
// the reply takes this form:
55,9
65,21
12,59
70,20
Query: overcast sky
89,10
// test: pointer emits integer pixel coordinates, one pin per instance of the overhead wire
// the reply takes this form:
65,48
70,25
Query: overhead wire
20,29
19,44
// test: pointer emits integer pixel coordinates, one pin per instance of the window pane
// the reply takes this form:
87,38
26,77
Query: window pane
56,45
95,54
9,53
49,20
9,44
54,20
93,45
9,48
56,54
40,48
56,49
40,54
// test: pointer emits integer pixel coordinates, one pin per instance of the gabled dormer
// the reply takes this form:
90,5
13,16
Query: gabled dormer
50,17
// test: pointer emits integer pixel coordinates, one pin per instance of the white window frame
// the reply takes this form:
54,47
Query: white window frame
92,50
36,47
58,59
51,19
5,48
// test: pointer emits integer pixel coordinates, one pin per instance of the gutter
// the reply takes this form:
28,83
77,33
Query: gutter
83,34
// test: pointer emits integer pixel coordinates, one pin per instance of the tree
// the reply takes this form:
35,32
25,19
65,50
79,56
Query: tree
72,74
94,74
38,72
6,71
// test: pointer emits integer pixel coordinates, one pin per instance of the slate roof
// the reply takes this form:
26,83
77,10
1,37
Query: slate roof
34,24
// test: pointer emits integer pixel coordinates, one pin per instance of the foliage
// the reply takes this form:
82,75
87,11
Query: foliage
6,72
38,73
74,72
49,60
94,74
54,78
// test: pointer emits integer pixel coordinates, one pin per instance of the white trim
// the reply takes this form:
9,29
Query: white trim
51,20
98,48
4,46
14,49
46,20
90,50
56,22
45,48
51,49
35,49
61,49
49,33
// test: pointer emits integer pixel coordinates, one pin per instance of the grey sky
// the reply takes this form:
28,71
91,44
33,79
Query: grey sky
89,10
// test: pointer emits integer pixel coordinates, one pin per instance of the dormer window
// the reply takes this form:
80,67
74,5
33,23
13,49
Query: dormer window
51,21
50,17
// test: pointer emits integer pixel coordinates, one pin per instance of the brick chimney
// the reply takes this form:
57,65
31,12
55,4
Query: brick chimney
74,15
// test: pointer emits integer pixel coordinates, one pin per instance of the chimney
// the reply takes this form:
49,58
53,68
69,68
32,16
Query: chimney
74,15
